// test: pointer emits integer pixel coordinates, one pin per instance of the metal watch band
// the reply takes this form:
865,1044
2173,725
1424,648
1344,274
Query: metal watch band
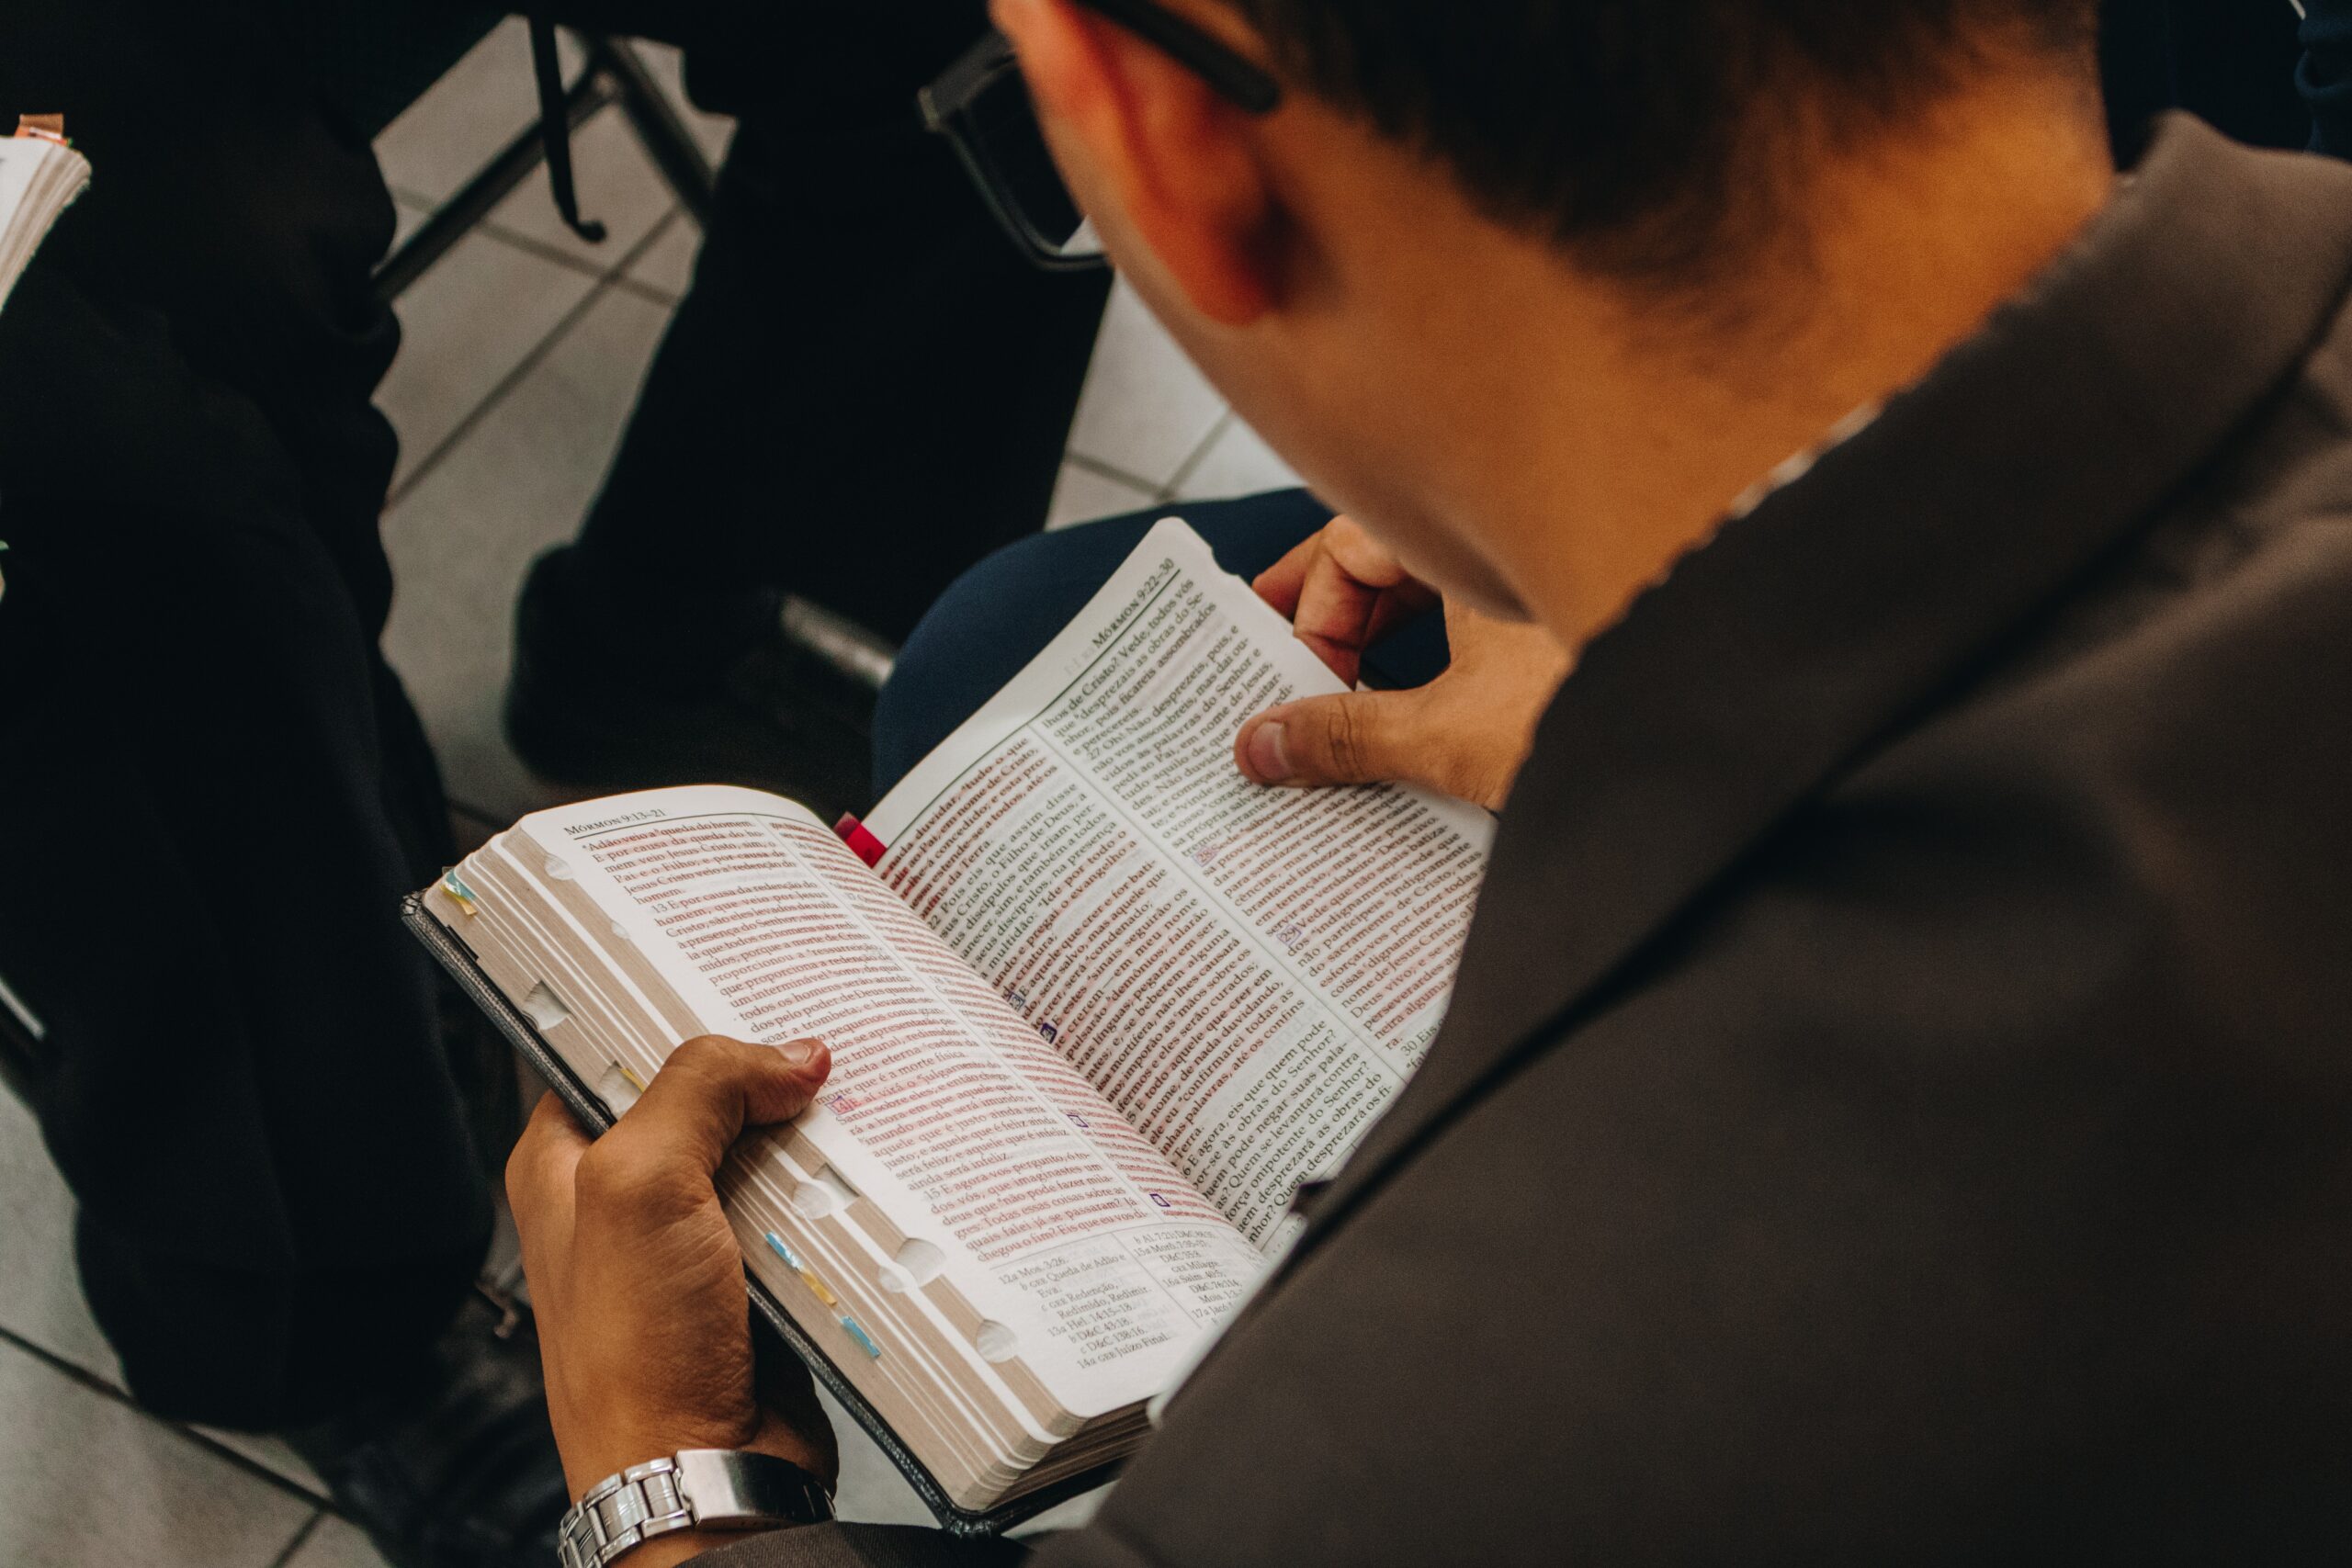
717,1489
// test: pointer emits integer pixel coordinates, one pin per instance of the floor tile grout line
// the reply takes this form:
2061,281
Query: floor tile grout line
301,1539
1191,465
523,367
105,1389
514,238
530,244
1102,469
251,1466
415,200
651,293
497,394
66,1364
617,272
652,236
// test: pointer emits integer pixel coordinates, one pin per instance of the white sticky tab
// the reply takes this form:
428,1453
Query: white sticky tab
822,1194
618,1089
543,1007
996,1342
917,1264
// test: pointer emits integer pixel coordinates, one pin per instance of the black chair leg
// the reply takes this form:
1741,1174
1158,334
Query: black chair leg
497,180
658,126
612,74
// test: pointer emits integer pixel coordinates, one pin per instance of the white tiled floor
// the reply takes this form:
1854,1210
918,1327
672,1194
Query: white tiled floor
523,353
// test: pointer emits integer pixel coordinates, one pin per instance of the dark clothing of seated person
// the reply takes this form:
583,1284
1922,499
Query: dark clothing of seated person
280,1136
1892,1105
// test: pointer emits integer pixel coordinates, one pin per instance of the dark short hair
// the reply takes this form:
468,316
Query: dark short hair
1644,134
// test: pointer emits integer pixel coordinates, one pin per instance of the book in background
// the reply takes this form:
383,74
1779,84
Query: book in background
40,175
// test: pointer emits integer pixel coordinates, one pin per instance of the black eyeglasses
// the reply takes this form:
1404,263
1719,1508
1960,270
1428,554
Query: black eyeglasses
982,107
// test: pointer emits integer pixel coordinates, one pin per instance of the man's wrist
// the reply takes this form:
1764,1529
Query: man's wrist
671,1509
590,1457
663,1551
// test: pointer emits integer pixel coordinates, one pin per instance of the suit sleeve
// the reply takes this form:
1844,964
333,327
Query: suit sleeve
863,1546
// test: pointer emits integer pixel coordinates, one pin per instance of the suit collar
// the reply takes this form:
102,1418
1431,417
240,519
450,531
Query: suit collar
1774,659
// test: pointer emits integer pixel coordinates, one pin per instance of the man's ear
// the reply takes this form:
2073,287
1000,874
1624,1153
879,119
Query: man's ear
1151,149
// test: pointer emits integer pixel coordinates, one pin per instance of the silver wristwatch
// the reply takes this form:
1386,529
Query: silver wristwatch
711,1489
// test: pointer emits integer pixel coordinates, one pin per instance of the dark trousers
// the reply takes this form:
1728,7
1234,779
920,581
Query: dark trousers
212,789
1002,614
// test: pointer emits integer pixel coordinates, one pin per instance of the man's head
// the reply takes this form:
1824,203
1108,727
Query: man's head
1464,212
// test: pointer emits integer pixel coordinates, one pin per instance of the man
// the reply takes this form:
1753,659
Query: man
215,789
188,650
1893,1107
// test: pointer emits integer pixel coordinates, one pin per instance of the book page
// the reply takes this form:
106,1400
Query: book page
1057,1221
1248,974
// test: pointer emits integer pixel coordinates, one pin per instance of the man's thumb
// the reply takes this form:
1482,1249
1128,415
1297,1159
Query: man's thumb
1344,739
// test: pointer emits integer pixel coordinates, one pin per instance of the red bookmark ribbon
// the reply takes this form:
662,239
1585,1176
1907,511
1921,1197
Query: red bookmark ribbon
862,843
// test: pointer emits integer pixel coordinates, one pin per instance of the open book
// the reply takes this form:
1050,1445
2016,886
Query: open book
1097,1004
40,178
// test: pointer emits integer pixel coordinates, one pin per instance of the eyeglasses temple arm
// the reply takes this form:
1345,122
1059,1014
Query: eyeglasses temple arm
1239,81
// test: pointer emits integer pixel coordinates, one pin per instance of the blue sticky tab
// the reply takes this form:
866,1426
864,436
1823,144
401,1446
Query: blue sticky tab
783,1251
865,1340
458,890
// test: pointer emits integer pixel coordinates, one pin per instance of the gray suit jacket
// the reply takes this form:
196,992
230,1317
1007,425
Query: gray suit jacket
1898,1103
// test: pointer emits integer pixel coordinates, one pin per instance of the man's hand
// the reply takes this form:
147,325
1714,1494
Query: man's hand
1464,734
638,1282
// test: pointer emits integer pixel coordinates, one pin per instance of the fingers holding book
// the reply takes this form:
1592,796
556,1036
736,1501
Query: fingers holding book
1464,734
637,1278
1343,591
705,1095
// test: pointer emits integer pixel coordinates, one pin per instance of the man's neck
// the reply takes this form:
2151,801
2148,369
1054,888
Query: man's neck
1645,441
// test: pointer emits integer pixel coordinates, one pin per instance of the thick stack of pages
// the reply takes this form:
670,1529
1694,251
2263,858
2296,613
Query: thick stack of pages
1096,1005
40,178
767,897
